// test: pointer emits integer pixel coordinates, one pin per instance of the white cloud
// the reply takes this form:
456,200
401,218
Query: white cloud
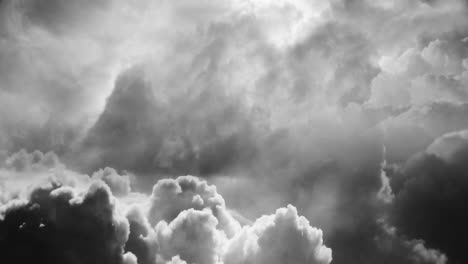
171,197
119,184
192,235
283,237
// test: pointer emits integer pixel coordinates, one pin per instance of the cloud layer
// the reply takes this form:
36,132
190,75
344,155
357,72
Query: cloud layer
353,111
184,220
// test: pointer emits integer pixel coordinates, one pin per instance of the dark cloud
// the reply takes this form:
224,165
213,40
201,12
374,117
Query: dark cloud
431,196
188,133
57,226
61,16
395,248
138,242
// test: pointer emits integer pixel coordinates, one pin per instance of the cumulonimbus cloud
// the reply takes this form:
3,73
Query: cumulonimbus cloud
276,101
183,220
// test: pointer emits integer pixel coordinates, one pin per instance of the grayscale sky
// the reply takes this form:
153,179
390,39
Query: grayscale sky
234,131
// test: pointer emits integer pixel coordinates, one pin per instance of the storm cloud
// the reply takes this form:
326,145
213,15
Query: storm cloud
183,220
352,113
431,195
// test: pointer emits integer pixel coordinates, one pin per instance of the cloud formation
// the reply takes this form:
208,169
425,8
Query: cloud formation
431,195
276,102
119,184
57,225
184,221
259,242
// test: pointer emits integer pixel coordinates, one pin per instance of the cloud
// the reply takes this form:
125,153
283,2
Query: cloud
430,193
434,72
23,171
176,260
278,160
141,240
55,76
34,161
171,197
450,147
171,142
264,241
193,236
295,56
415,129
398,249
233,97
184,220
276,102
119,184
63,17
58,225
129,258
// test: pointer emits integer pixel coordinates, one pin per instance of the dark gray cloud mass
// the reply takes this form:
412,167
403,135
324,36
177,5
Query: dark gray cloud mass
54,226
431,195
188,133
352,113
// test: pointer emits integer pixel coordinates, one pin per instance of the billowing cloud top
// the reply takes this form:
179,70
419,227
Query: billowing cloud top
185,220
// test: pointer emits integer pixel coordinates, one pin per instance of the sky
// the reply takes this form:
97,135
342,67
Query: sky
234,131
